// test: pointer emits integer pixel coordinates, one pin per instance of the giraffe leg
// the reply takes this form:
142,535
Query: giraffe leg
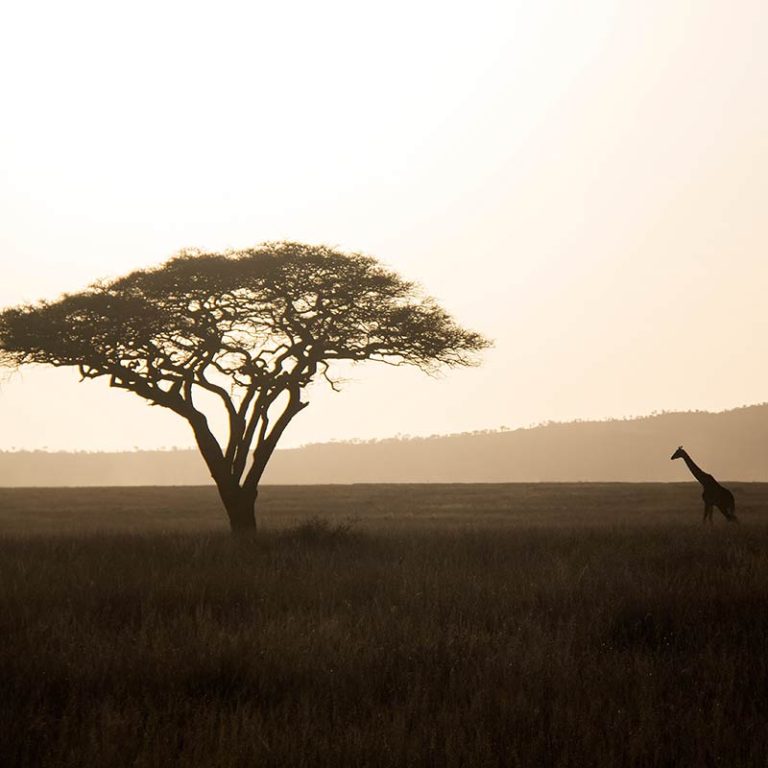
708,513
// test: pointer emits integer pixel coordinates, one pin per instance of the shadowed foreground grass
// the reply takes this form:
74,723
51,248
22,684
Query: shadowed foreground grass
613,644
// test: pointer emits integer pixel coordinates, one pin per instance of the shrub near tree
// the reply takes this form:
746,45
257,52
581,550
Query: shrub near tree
243,331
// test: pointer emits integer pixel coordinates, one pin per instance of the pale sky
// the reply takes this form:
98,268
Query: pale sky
584,182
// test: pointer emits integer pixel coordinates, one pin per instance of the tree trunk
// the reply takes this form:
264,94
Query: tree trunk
241,509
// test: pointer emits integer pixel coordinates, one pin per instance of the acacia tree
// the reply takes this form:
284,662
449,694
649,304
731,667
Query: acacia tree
246,329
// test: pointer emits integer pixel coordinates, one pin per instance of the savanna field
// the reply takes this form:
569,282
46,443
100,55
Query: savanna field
448,625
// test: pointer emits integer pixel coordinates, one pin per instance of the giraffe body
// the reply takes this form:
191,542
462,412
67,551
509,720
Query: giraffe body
715,495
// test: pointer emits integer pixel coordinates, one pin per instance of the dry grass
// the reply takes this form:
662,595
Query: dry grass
453,625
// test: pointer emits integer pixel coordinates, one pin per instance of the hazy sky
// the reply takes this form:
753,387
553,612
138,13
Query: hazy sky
584,182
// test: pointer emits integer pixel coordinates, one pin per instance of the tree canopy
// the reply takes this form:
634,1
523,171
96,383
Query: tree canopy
250,329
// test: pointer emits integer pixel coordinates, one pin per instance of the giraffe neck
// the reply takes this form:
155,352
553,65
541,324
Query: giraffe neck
696,471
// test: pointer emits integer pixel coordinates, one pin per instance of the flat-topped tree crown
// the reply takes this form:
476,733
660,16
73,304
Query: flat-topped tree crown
251,328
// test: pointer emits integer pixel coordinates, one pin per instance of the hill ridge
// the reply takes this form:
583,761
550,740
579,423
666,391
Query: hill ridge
732,444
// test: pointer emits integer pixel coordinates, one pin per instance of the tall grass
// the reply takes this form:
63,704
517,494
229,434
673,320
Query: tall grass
318,644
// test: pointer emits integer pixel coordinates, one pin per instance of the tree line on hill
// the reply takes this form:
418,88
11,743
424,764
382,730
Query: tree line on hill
732,445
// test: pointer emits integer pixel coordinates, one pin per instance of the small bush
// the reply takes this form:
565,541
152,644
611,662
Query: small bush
319,530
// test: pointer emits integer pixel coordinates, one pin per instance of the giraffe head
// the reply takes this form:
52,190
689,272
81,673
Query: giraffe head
678,454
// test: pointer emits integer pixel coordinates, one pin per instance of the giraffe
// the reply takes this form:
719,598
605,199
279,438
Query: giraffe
715,495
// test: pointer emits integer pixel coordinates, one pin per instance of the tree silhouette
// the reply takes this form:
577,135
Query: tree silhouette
245,331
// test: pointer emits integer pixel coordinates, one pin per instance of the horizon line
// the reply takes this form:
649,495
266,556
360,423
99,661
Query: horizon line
399,437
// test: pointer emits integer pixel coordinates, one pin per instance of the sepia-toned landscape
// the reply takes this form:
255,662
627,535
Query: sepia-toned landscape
384,385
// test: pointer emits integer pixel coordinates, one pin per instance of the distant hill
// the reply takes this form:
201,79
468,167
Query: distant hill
732,445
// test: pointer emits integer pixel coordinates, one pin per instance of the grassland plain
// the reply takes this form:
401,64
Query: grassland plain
497,625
